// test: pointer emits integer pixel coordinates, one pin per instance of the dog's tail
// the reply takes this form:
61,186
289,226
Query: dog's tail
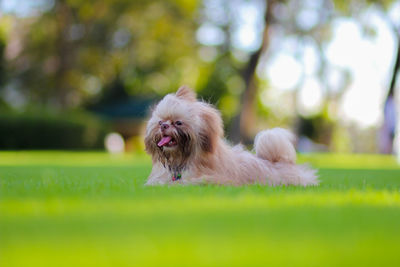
276,146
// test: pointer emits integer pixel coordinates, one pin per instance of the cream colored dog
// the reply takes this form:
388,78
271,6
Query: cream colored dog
186,141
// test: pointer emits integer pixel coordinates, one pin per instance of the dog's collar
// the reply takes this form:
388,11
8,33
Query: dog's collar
177,176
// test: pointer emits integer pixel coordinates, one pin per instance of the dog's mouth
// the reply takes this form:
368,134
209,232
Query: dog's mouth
167,141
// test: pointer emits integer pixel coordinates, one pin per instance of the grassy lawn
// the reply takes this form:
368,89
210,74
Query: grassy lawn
91,209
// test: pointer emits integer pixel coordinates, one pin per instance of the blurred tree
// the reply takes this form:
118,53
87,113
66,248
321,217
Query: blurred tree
352,8
3,65
75,49
2,60
246,119
307,24
389,110
282,21
232,84
278,21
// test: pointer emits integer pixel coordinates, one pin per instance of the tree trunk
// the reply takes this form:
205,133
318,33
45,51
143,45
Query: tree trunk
63,50
395,71
387,133
243,123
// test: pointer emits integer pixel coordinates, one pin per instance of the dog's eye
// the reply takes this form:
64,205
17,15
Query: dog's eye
160,122
179,123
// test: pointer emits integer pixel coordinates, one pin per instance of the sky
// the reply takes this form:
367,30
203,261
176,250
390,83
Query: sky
25,7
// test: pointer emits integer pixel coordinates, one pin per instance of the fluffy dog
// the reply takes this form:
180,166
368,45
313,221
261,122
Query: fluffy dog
186,141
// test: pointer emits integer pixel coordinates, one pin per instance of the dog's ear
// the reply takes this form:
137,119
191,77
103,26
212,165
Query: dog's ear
211,130
186,93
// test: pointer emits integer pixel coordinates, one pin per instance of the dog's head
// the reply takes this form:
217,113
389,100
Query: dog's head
182,129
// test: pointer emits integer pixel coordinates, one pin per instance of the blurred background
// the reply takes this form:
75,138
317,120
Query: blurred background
82,74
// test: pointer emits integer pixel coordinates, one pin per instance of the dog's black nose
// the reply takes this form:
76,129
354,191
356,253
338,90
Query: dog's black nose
164,126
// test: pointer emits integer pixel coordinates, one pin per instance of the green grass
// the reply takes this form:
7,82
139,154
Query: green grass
91,209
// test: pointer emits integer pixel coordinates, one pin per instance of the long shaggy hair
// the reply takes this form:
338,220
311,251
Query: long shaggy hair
186,141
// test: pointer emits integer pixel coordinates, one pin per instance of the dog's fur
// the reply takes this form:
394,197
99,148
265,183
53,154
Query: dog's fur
185,136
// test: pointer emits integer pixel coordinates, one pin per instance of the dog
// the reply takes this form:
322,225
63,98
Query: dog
185,139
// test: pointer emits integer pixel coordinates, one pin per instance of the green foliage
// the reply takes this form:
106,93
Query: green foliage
2,60
94,206
223,86
71,54
318,128
352,6
75,50
42,130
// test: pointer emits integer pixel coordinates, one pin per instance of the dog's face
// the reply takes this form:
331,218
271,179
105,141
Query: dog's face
181,129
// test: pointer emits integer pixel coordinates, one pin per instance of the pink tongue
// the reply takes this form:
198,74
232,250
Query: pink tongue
165,140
